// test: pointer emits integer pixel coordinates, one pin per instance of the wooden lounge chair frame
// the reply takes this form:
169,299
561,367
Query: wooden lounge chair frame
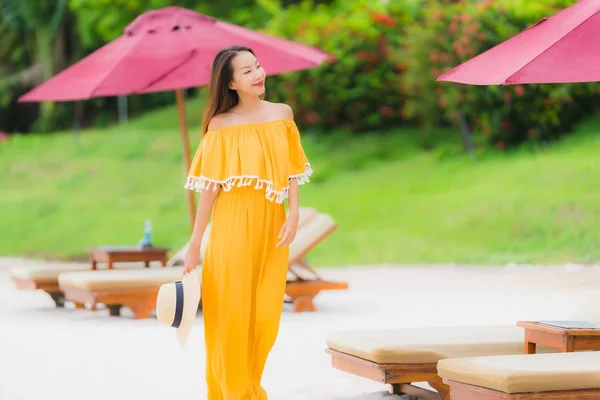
141,301
49,286
462,391
400,376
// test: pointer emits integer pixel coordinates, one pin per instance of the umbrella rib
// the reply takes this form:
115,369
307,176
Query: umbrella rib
119,63
507,80
164,75
192,50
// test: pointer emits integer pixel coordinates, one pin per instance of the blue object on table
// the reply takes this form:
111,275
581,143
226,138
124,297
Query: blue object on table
146,241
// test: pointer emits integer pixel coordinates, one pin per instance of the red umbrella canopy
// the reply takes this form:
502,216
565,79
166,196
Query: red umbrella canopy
560,49
167,49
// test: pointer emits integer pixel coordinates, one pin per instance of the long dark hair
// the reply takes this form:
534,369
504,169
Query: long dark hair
220,97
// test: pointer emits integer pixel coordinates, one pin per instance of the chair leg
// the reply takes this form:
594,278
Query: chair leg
303,304
141,309
58,298
441,387
414,392
114,310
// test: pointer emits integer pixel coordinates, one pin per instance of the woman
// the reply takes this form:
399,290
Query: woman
249,161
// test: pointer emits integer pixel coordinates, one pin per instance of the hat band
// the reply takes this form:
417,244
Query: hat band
178,304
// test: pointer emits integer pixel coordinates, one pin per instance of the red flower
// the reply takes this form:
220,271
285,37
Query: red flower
363,55
460,51
312,117
437,15
443,103
532,133
385,111
485,5
519,90
467,18
383,19
471,29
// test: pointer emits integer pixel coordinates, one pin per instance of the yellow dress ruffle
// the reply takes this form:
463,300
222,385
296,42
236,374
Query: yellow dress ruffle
267,155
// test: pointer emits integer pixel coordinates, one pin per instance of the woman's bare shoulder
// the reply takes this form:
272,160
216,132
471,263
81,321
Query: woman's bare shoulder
218,121
280,110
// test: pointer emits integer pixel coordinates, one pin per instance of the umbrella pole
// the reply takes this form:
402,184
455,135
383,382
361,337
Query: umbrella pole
186,150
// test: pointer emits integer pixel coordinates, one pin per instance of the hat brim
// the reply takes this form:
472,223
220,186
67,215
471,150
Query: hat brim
191,295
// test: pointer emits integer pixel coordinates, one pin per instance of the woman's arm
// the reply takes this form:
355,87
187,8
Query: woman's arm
290,227
293,199
205,206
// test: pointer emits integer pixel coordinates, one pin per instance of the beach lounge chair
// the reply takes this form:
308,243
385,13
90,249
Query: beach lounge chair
134,288
560,376
137,289
404,357
304,283
44,278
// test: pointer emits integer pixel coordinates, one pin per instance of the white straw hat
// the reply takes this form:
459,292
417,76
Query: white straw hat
177,304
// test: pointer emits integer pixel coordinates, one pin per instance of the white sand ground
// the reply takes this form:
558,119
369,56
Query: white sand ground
68,354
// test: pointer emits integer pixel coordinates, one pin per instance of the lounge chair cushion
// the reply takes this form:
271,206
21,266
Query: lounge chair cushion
305,214
429,345
120,279
41,273
312,233
526,373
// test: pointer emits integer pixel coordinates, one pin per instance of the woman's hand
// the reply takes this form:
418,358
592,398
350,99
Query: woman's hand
288,231
192,258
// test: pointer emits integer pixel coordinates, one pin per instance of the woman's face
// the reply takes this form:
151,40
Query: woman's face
248,75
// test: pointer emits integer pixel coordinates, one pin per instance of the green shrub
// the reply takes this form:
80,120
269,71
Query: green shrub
360,89
500,115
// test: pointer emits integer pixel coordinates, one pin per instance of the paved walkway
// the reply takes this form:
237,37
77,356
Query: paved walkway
67,354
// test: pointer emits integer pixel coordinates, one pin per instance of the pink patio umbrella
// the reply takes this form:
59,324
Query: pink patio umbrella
560,49
169,49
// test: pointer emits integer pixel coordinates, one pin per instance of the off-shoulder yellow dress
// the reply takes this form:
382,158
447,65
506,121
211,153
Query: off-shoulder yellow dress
244,273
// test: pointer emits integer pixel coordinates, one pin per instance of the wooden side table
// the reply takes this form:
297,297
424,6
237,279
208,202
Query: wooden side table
567,339
112,254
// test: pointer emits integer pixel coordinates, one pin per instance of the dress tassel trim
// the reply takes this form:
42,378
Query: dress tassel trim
200,183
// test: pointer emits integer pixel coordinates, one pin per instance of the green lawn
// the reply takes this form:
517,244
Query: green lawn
393,202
